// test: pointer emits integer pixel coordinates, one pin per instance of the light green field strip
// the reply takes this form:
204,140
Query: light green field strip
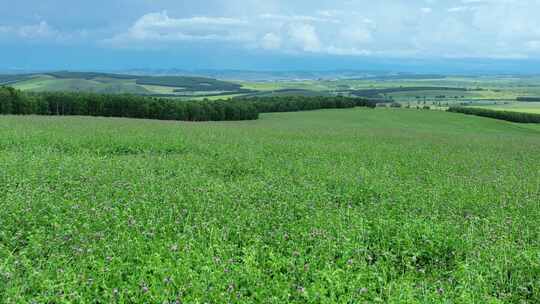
34,83
526,107
159,89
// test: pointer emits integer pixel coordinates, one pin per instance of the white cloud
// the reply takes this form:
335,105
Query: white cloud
533,45
159,27
305,37
355,35
436,28
39,31
421,28
297,18
287,33
458,9
271,41
332,50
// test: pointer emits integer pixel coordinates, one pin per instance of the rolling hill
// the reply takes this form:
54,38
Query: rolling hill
119,83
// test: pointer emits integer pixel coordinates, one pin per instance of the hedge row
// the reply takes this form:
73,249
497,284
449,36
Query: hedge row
109,105
502,115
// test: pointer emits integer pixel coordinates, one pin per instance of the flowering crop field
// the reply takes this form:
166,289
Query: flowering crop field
331,206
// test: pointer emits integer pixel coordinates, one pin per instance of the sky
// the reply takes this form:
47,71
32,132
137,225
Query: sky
399,35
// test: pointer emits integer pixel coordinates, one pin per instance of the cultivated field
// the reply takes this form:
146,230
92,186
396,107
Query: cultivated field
525,107
178,86
407,89
331,206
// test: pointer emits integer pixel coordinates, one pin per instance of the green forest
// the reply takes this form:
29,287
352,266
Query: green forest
13,101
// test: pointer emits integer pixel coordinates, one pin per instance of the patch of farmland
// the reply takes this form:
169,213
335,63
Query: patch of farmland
526,107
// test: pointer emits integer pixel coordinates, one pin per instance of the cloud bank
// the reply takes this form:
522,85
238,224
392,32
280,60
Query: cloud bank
415,28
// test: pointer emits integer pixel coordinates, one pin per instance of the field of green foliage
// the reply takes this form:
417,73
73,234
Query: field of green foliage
179,86
411,89
330,206
525,107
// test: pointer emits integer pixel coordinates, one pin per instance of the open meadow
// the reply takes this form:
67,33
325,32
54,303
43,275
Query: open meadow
524,107
273,152
330,206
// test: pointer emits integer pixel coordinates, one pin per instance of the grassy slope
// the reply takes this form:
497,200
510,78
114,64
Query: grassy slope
34,83
111,83
281,85
11,79
527,107
327,206
494,88
499,88
99,85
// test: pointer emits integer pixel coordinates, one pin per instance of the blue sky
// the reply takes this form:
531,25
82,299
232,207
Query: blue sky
424,35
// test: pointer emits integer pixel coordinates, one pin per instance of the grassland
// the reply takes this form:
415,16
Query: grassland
526,107
119,83
335,206
48,83
411,89
485,89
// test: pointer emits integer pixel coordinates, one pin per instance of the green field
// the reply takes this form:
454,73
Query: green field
119,84
333,206
526,107
410,89
50,84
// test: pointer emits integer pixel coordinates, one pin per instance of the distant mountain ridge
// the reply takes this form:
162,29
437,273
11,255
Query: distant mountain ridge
245,75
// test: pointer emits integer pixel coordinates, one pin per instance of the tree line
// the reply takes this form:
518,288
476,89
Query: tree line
502,115
305,103
13,101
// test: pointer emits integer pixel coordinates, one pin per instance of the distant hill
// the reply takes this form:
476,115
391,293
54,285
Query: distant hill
380,92
11,79
399,87
288,92
121,83
246,75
